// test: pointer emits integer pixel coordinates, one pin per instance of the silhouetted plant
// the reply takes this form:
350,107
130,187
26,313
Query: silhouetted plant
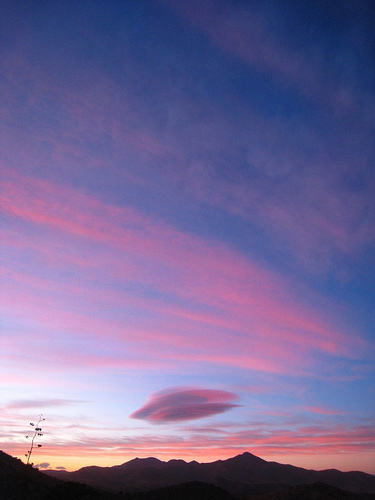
37,432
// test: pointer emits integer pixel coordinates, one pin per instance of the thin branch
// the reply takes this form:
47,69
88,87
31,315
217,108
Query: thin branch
36,433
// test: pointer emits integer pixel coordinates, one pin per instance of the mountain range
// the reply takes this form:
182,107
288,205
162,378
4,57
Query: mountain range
242,475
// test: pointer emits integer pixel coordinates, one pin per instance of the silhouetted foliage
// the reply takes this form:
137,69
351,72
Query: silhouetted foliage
37,433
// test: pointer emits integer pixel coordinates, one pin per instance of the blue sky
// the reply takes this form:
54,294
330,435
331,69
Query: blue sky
188,230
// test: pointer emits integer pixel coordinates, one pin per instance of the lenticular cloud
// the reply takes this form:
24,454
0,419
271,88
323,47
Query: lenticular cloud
184,404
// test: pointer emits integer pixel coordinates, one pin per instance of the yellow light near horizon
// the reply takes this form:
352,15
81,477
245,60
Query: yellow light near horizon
72,459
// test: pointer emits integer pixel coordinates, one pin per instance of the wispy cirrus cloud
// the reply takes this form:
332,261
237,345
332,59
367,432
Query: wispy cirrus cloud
316,208
178,404
25,404
271,441
243,32
246,32
167,279
322,410
311,213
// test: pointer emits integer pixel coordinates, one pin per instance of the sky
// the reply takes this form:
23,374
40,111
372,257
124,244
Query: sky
188,231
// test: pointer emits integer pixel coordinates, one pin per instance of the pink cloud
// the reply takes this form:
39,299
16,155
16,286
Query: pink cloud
321,410
21,404
243,32
304,206
185,404
314,228
305,212
247,33
183,283
160,346
343,447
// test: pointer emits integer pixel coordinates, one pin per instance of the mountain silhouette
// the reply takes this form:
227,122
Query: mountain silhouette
19,481
242,475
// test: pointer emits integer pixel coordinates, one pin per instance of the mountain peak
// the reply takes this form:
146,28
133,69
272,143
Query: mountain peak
243,474
142,462
249,457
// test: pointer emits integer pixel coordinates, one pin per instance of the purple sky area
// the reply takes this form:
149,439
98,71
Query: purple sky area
187,247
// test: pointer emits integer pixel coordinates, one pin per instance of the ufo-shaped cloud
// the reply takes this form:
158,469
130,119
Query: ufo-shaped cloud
184,404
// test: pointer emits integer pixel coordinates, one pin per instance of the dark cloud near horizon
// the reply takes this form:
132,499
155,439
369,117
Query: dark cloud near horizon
185,404
43,465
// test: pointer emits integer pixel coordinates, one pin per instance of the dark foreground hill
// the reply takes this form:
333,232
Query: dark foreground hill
21,482
242,476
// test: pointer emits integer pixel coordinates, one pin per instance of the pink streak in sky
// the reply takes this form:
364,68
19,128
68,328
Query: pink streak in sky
314,225
321,411
309,210
271,443
246,33
225,294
